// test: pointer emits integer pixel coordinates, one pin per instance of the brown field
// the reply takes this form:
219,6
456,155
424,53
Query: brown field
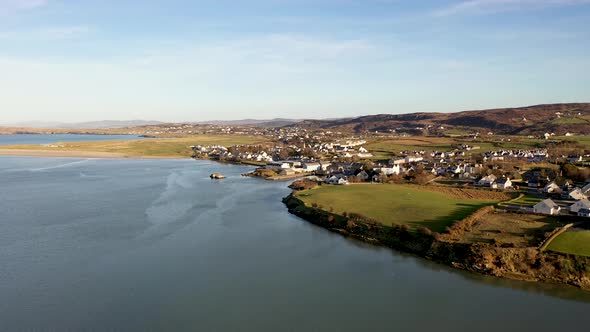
461,193
521,230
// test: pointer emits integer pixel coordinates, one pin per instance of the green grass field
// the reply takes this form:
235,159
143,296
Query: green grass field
582,140
569,120
394,204
156,147
525,201
576,242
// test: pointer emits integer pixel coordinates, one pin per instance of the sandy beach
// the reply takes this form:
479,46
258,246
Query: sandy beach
75,154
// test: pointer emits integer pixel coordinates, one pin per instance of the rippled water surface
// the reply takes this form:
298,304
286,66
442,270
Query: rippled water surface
130,245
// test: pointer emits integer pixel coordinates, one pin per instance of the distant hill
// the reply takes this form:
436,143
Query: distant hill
86,125
279,122
538,119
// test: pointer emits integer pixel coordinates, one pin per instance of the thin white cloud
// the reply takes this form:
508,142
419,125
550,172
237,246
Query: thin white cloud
16,5
49,33
496,6
285,51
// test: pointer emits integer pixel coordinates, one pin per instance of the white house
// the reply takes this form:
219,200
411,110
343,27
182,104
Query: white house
503,183
581,204
487,181
552,187
395,170
546,207
576,194
337,180
410,159
311,167
473,169
458,169
278,165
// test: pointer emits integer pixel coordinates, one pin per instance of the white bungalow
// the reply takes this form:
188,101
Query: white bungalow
311,167
547,207
581,204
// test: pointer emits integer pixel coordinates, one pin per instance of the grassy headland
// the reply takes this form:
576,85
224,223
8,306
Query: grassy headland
485,240
399,204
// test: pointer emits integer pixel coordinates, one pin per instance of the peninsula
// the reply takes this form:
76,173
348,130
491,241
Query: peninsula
475,190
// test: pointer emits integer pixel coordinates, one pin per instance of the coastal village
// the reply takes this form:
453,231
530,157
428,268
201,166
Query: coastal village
508,205
511,199
346,161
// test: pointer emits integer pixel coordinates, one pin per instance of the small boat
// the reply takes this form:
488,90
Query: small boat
217,176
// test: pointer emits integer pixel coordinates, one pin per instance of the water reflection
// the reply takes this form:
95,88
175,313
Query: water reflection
561,291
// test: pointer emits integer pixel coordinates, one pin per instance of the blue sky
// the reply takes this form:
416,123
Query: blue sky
231,59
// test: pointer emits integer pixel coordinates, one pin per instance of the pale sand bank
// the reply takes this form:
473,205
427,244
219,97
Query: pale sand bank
76,154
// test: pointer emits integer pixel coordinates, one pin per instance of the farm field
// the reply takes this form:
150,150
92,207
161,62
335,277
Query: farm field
520,230
157,147
401,204
574,241
385,148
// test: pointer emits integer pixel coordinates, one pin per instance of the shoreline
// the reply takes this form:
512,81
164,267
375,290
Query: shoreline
479,258
77,154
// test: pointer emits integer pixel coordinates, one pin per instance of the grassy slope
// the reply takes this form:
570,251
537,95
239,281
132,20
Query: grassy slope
388,146
569,120
159,147
575,242
394,204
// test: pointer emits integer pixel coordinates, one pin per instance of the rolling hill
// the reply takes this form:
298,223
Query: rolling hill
538,119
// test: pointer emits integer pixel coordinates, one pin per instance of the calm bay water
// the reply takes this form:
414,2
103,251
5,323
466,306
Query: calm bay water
155,245
47,139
